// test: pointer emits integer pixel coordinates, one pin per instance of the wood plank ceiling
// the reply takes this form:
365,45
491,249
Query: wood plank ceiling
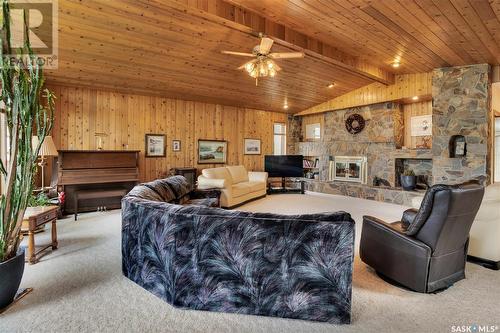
423,34
171,48
168,49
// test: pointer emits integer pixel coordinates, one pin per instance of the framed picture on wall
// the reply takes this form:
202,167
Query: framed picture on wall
176,145
212,151
252,147
155,145
421,125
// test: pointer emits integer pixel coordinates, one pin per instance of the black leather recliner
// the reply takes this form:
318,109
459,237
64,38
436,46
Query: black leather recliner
425,251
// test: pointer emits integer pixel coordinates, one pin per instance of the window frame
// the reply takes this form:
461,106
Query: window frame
282,137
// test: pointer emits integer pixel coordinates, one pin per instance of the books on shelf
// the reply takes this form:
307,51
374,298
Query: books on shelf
309,164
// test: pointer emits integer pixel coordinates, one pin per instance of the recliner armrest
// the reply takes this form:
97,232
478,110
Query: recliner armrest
256,176
408,217
391,233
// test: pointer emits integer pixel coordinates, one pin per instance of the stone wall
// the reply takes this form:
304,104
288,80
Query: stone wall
294,135
377,193
377,141
460,106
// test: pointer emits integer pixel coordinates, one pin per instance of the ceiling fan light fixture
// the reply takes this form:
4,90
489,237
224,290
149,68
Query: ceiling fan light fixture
249,67
262,70
263,65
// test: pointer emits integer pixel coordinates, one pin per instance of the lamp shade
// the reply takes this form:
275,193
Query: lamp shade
48,147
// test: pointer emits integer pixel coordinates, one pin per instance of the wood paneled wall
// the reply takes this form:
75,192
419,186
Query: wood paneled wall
405,87
124,120
411,110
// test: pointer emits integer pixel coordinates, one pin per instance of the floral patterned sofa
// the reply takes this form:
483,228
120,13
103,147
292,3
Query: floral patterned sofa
212,259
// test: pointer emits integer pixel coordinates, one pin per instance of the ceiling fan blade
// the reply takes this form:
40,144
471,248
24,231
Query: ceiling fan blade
248,62
276,67
243,54
286,55
265,45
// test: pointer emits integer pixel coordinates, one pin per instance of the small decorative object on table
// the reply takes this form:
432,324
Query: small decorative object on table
408,180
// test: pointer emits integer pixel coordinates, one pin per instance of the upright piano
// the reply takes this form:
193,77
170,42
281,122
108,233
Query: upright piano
79,170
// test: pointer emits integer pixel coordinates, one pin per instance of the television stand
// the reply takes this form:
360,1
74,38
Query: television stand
283,188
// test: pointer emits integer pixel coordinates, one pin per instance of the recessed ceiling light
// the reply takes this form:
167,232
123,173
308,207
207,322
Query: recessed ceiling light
396,64
331,85
415,98
285,106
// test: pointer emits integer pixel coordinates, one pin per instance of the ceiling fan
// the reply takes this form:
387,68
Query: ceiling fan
263,65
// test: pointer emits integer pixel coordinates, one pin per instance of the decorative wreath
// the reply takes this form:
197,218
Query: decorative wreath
355,123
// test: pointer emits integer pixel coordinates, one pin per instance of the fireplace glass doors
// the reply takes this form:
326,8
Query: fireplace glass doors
348,168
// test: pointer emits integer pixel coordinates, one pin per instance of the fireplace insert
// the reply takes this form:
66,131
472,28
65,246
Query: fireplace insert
349,169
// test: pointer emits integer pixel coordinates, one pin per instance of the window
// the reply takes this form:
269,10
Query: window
313,131
279,147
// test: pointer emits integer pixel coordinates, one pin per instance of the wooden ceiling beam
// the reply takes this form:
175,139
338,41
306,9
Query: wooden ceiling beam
225,13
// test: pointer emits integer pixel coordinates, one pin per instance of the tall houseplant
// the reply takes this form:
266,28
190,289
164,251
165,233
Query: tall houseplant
27,114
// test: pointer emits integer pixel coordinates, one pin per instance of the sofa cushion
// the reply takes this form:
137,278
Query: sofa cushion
255,186
240,189
238,173
218,173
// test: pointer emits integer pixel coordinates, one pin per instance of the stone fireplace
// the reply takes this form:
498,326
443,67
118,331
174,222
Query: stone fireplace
348,169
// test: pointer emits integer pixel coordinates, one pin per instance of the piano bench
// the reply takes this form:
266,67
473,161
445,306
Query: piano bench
97,194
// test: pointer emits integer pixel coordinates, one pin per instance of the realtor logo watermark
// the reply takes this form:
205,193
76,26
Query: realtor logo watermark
42,21
475,328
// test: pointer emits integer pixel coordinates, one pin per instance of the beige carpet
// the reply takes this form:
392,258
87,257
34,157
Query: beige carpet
79,288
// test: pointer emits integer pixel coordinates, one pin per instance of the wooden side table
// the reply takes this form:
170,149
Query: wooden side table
35,217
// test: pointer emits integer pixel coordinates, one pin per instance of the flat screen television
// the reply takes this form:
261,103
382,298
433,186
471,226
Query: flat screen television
284,165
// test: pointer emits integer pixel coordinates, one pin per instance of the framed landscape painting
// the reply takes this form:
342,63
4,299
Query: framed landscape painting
212,151
252,147
155,145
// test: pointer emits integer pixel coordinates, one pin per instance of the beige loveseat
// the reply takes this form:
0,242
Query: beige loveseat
236,183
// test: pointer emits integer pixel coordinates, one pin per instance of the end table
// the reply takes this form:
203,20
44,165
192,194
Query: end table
34,218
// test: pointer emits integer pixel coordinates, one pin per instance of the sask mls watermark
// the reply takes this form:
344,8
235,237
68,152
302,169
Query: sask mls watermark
42,30
474,328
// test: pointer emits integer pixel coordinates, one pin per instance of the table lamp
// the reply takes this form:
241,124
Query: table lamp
48,148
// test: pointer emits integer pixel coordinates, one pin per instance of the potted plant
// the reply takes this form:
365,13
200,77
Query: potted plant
408,180
27,114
